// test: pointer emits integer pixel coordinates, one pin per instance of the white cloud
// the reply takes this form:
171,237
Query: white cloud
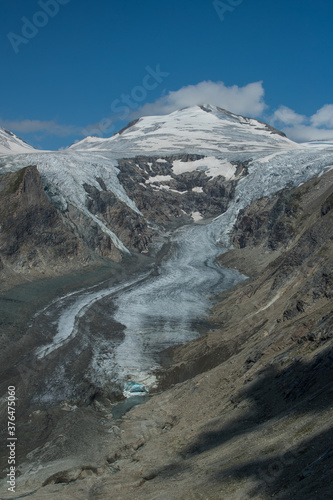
301,128
247,100
323,117
306,133
287,116
30,126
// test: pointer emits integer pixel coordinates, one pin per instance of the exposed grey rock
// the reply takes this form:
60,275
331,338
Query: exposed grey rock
35,238
178,201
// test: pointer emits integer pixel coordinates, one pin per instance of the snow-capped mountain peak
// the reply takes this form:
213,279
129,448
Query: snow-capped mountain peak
10,143
204,129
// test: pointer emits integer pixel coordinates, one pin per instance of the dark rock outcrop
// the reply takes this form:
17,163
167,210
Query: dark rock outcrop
35,238
131,228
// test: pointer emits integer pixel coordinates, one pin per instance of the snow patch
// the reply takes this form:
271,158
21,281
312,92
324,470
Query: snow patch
213,167
196,216
158,178
163,187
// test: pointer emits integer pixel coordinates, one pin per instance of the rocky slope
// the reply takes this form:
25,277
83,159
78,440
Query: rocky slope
246,409
35,239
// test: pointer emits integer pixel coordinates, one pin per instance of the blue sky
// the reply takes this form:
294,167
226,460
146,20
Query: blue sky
76,67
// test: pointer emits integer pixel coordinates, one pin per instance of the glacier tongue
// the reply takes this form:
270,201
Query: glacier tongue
161,312
164,309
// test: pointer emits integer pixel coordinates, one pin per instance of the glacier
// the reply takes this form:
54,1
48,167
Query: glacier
161,311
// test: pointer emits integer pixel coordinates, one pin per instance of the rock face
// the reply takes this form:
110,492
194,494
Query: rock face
163,197
35,239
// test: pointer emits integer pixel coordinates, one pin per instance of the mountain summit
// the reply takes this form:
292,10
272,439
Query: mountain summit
206,129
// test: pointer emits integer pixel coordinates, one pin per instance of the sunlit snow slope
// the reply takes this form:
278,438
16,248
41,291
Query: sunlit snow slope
10,143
